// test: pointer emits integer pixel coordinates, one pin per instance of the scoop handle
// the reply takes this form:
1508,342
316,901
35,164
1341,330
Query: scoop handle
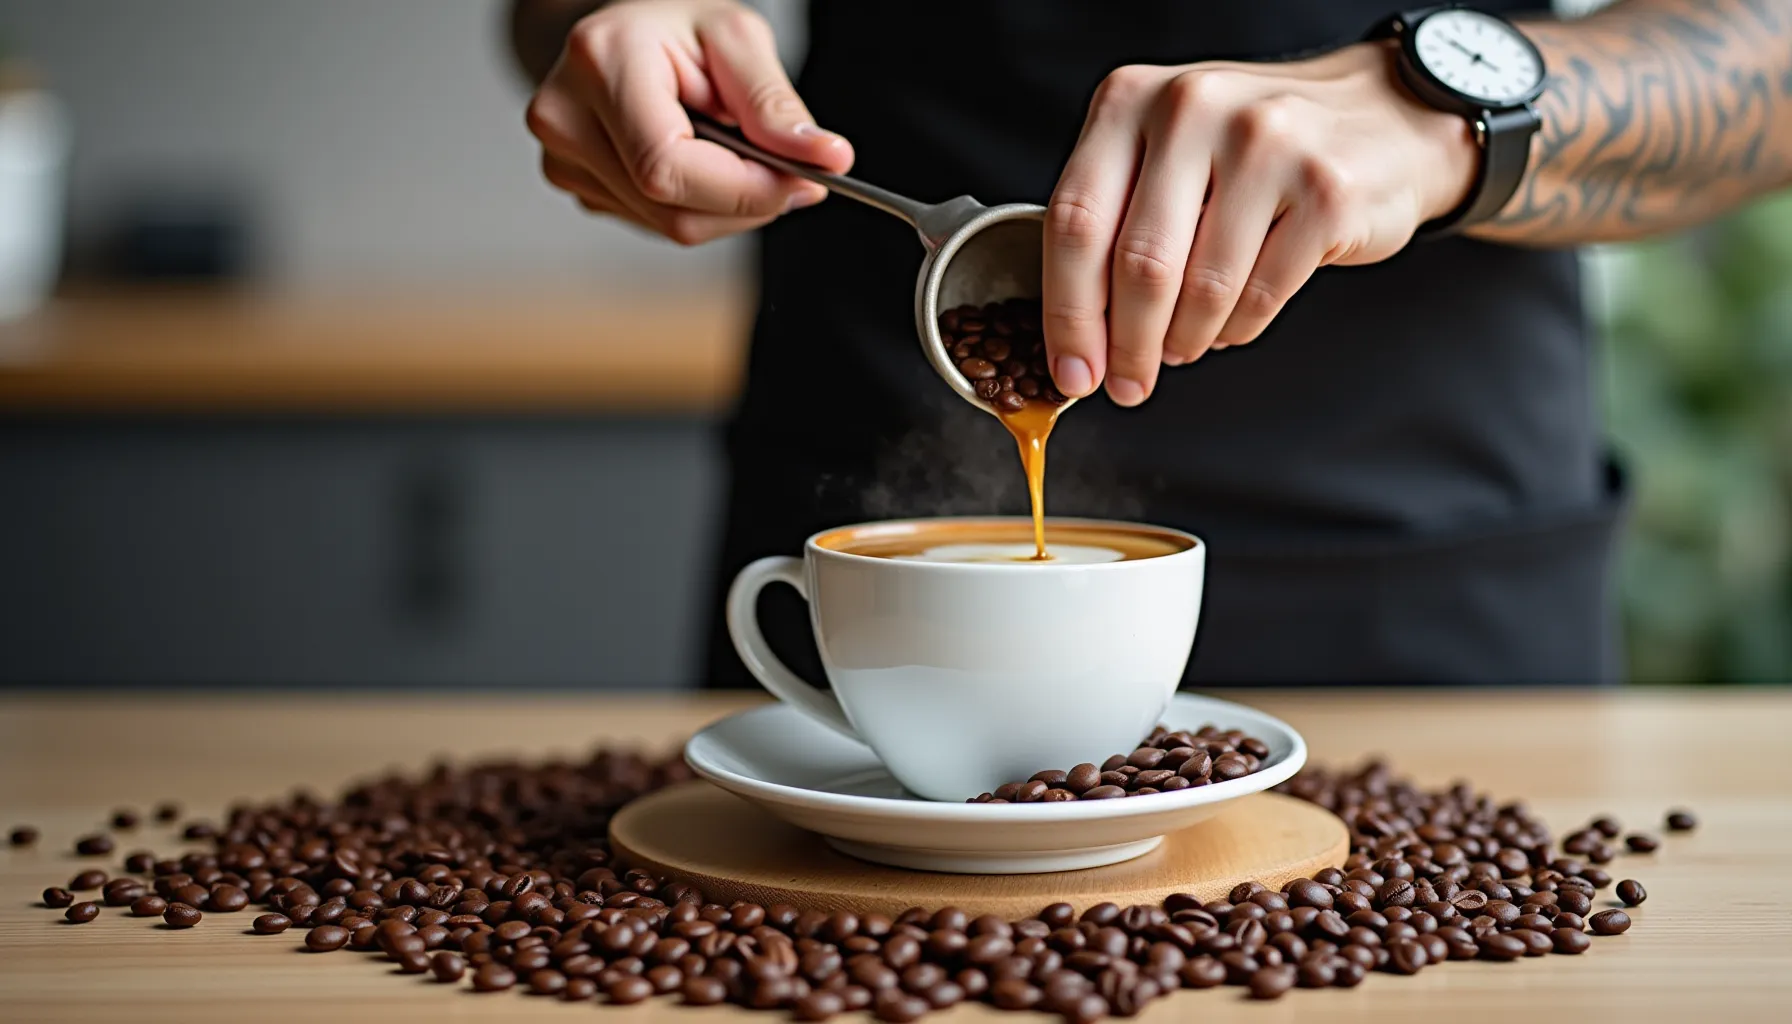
896,205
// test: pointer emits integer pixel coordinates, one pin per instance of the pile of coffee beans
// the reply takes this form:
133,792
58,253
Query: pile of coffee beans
499,876
1000,349
1166,762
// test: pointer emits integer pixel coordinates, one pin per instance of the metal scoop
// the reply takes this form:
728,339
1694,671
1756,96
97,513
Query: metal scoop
976,254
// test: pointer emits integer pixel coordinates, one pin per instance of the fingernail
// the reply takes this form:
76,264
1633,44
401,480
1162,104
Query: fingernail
1073,376
801,200
811,130
1173,359
1125,391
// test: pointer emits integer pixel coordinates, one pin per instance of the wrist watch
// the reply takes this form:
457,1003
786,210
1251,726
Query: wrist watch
1482,67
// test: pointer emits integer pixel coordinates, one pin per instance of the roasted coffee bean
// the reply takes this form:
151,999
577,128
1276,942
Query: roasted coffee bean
413,962
1304,892
578,990
495,977
1315,972
974,982
1014,994
818,1005
148,906
898,1007
124,820
1272,982
94,846
447,966
1082,778
1631,892
1609,922
918,978
1537,943
1502,911
1406,956
122,892
326,938
269,924
1569,940
1534,922
227,899
1681,820
439,865
1641,842
181,915
1154,778
82,912
1574,902
547,982
93,878
1395,892
704,991
1145,758
1497,946
1469,901
1150,768
57,898
1086,1009
1105,793
23,835
1227,767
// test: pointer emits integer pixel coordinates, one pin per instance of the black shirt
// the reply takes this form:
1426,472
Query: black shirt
1401,480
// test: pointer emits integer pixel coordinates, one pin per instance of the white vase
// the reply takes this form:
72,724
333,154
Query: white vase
34,146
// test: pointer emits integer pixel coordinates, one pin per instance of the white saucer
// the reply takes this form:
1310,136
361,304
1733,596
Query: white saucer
815,779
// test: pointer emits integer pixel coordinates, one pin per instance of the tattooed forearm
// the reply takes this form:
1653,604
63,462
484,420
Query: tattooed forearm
1657,114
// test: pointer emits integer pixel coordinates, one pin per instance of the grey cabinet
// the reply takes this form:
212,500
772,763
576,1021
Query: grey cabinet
388,552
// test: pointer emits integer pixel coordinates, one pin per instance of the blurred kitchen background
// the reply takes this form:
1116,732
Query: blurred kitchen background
333,390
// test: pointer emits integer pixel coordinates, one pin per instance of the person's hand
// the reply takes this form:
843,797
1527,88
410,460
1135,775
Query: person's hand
1200,198
613,131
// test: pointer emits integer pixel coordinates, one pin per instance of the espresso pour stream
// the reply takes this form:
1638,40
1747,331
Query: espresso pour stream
1031,426
976,255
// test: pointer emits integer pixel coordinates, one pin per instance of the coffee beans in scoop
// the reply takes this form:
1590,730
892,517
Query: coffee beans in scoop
499,877
1166,762
1000,349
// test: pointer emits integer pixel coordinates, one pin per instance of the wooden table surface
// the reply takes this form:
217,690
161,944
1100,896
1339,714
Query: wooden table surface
551,350
1713,942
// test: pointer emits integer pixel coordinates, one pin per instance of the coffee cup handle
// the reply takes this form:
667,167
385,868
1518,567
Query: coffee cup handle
749,642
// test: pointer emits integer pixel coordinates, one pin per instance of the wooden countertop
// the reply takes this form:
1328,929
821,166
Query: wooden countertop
1714,940
207,351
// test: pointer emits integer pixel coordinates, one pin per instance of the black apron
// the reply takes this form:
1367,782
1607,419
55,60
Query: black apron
1401,481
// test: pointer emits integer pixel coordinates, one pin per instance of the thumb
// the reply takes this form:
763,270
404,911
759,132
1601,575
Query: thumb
754,90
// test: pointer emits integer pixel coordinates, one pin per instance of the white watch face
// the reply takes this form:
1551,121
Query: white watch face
1481,57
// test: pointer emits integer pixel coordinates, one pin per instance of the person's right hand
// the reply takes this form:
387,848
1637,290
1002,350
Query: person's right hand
613,131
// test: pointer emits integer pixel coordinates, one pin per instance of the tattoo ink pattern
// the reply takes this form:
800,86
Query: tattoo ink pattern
1656,114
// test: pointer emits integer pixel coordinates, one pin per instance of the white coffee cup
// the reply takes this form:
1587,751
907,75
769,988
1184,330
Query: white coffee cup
961,677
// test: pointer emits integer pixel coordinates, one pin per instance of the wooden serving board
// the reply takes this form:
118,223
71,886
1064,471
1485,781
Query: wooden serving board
733,850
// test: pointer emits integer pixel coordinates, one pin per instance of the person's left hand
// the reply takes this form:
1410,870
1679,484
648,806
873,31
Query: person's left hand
1200,198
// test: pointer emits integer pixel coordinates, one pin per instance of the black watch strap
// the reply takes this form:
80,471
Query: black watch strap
1504,136
1505,140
